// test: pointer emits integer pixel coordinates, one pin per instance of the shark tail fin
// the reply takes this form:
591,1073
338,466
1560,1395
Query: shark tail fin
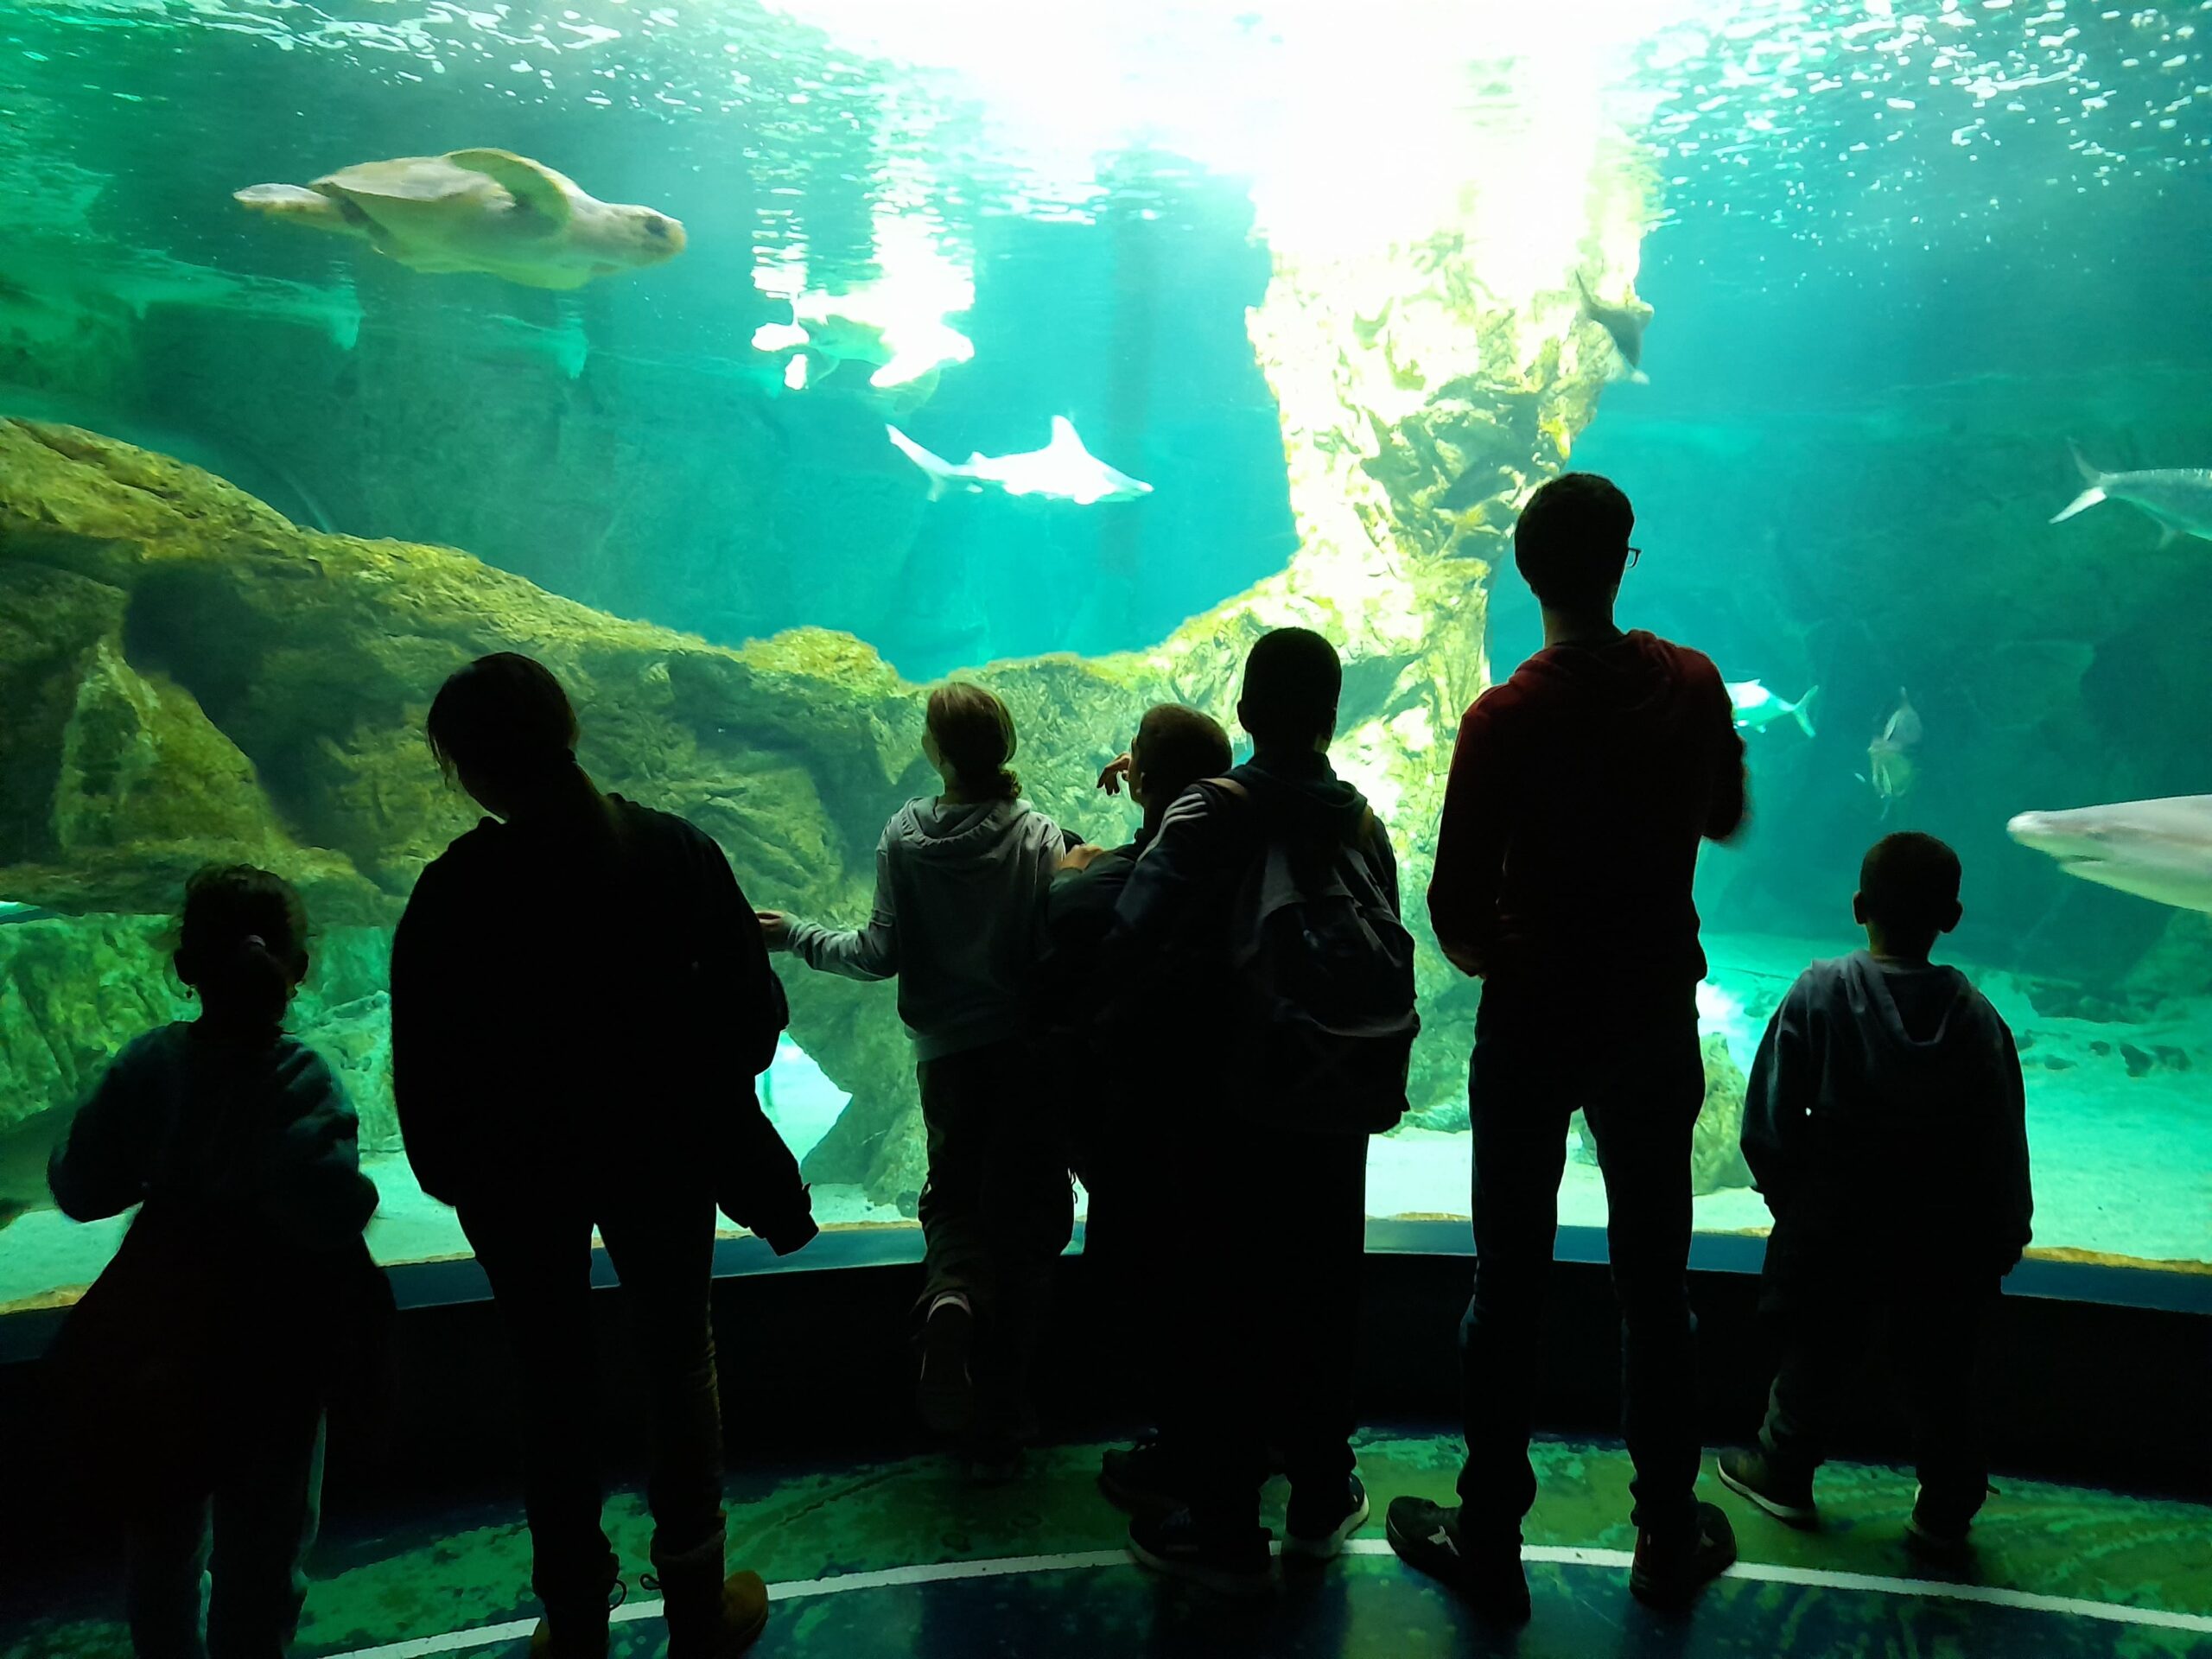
1803,711
934,467
2088,497
2081,503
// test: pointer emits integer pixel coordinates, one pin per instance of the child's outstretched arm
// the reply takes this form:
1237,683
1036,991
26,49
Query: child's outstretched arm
1778,1101
865,953
99,1168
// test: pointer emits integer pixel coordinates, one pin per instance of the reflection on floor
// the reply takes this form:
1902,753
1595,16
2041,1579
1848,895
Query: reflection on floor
902,1558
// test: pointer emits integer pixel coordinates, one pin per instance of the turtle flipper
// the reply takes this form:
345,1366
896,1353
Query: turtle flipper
535,186
300,206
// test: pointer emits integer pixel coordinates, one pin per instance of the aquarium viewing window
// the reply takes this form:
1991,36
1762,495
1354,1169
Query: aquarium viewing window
855,344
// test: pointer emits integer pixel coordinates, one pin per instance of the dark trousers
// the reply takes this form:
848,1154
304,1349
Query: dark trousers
1630,1062
1265,1305
1935,1336
539,1262
997,1210
220,1569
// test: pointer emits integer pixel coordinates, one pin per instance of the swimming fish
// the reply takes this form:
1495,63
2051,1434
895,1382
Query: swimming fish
899,345
1625,325
1890,768
1757,706
2160,850
2179,498
1062,471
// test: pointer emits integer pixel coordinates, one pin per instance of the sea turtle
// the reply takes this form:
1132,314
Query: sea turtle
481,210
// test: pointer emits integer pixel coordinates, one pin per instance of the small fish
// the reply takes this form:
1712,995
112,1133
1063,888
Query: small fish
2177,498
1623,324
2160,851
1757,706
1062,471
1890,768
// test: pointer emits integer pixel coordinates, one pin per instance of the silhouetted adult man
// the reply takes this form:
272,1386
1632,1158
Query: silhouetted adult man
1579,792
580,1001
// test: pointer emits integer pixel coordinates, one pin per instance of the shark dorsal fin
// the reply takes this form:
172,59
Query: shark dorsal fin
1064,438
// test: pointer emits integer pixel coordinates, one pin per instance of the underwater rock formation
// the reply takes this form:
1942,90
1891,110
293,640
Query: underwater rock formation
199,678
1716,1149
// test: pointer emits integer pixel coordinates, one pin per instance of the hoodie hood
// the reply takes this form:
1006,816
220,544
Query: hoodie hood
1638,675
957,834
1303,792
1912,1009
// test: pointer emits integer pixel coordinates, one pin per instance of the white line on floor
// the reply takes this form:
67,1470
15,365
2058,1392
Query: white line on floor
1559,1556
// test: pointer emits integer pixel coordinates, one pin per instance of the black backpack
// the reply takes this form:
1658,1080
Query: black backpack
1322,971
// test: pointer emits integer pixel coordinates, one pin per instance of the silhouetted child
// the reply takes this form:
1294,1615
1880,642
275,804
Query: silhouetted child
202,1361
961,882
1884,1120
580,1005
1127,1107
1258,943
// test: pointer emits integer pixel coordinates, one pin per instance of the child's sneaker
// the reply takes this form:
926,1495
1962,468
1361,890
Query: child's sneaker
1234,1563
1318,1525
1487,1573
1145,1478
1936,1538
1669,1571
1783,1494
945,1394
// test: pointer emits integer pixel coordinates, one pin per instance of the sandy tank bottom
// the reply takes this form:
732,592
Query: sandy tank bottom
2122,1153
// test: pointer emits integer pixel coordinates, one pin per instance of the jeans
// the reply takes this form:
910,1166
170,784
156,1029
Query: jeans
1266,1294
661,1241
1631,1065
1935,1336
997,1210
221,1572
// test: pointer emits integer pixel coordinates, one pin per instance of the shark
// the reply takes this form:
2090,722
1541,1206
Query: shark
1062,471
2177,498
1757,706
2159,850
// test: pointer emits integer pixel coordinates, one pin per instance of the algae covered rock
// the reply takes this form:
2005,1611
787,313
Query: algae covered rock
1716,1148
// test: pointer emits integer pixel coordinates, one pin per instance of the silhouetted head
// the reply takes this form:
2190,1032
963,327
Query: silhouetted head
1571,543
1174,747
504,727
1291,682
969,739
242,944
1908,893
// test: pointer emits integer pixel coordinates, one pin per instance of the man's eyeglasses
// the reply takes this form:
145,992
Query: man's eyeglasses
1633,554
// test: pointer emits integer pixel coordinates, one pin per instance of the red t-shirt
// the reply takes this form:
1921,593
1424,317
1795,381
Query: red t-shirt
1579,790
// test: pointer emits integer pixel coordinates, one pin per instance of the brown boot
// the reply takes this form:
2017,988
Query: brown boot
576,1619
710,1616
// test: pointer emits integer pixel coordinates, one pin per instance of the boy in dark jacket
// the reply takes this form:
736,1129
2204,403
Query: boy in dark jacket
1125,1124
1884,1120
1261,1314
1581,790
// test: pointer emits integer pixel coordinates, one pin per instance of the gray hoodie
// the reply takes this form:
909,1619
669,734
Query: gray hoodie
960,896
1885,1108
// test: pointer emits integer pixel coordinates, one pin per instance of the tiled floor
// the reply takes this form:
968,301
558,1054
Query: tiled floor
903,1559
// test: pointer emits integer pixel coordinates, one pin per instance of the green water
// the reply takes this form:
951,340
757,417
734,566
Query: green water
1312,279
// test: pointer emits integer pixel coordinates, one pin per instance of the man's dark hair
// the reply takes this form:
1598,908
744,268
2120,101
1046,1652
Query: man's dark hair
1291,682
1908,883
504,715
1571,543
1176,747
